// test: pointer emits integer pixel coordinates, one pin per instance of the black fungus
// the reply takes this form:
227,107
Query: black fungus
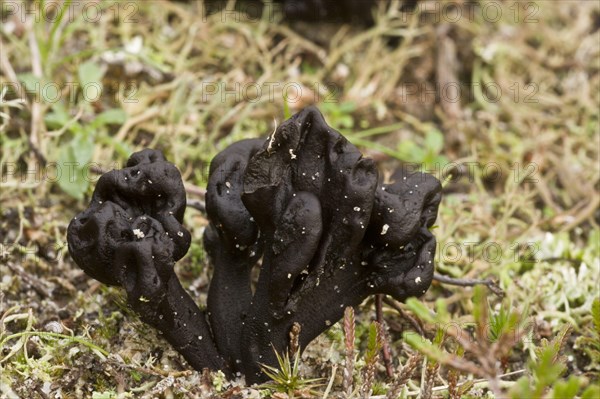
327,231
131,235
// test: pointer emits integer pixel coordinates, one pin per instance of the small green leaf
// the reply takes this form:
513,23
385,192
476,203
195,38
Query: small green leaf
465,387
566,389
373,344
113,116
72,180
32,83
82,147
411,152
521,389
434,141
347,107
439,337
422,311
480,306
425,346
123,149
90,73
135,375
441,310
58,117
591,392
596,316
546,370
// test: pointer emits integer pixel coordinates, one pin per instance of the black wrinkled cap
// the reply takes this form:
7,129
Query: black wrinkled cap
131,235
125,200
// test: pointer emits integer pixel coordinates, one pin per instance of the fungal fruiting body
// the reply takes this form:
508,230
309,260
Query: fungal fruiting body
329,233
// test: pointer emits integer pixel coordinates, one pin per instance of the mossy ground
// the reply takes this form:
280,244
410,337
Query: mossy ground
517,148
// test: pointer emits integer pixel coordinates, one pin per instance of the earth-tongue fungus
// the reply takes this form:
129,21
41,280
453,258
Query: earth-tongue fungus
131,235
328,230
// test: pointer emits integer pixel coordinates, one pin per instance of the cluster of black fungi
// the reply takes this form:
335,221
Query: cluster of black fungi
303,205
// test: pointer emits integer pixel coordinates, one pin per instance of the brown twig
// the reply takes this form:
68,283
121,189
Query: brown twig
554,259
194,190
135,120
349,325
584,215
394,305
37,112
447,76
6,67
197,205
468,282
385,345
